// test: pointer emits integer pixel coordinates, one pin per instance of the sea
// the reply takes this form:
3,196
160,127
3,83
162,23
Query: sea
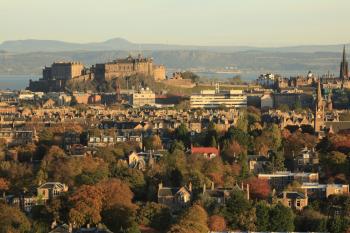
16,82
19,82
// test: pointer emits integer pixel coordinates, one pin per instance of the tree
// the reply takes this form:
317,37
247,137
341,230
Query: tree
156,142
87,206
238,211
154,215
115,192
276,161
231,151
262,216
217,223
281,218
259,188
12,220
177,145
194,220
181,133
311,221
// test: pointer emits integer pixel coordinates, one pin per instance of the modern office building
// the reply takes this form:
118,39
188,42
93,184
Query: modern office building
144,97
216,99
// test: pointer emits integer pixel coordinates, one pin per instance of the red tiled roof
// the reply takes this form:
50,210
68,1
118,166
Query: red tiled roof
204,150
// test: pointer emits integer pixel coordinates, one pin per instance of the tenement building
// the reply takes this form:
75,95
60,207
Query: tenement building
217,99
120,68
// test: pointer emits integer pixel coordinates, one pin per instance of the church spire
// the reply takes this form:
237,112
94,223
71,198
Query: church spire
344,68
319,98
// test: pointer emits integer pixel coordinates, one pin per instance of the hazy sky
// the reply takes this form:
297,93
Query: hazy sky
196,22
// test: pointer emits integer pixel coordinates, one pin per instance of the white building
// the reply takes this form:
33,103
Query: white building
144,97
216,99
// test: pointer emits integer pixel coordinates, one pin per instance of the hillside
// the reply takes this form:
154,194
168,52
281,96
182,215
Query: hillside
247,61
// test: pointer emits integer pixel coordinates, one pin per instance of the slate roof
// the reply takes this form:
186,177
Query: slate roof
292,195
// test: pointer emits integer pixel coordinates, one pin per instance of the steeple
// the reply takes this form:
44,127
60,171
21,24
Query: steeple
319,110
344,67
319,99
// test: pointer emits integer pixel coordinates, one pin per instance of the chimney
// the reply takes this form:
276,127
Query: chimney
212,185
248,194
190,187
204,188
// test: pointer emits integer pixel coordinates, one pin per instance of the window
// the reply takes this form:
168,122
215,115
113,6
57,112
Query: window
298,203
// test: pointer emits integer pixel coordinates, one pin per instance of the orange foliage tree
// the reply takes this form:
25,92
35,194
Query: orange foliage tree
217,223
259,188
87,205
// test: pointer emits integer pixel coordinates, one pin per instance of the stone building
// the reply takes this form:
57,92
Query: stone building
63,71
294,200
121,68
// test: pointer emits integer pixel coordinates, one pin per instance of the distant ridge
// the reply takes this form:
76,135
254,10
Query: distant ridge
32,45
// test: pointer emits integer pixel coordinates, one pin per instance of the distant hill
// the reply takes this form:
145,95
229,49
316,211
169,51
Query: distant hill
248,61
26,46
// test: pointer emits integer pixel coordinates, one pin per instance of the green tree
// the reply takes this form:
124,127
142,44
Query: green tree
237,210
281,218
181,133
262,216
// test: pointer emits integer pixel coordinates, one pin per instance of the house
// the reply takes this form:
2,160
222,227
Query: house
321,191
25,201
206,152
221,195
293,200
136,161
257,163
50,190
101,140
175,198
306,160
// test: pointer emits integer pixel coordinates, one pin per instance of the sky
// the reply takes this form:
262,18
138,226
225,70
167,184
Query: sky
185,22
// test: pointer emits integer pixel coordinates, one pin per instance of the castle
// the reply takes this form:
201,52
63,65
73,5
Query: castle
121,68
58,74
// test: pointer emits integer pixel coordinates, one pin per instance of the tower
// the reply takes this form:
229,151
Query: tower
319,110
344,67
329,102
117,90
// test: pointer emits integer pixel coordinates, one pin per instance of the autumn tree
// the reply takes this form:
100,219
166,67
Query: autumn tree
259,188
12,220
86,206
194,220
217,223
118,211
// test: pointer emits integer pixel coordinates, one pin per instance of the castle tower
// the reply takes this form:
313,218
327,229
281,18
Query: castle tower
344,67
319,110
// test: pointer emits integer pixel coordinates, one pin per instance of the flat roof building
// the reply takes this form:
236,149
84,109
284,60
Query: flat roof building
144,97
217,99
